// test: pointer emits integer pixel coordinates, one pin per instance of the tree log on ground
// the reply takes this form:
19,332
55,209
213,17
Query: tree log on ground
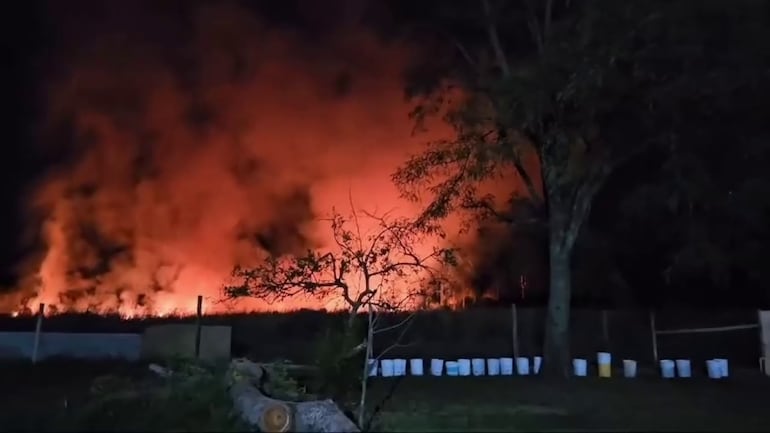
272,415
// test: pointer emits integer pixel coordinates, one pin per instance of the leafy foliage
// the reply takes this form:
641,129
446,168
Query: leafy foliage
600,83
339,374
193,399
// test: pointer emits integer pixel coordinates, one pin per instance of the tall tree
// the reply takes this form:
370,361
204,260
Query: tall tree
598,84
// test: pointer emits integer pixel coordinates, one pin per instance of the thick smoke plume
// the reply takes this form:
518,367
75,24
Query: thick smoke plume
199,143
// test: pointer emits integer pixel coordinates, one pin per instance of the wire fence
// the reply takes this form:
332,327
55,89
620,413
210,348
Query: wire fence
637,334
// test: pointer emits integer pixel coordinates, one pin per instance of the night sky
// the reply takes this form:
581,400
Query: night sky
24,47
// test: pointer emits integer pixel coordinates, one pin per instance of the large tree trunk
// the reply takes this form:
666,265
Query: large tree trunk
568,204
272,415
556,354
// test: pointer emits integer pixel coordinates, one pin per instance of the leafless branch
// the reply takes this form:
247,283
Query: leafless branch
494,39
355,219
387,257
397,325
534,27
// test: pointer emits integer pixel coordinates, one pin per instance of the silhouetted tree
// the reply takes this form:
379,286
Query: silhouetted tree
382,267
600,83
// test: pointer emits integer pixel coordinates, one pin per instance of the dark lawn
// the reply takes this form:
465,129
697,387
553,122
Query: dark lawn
586,404
53,396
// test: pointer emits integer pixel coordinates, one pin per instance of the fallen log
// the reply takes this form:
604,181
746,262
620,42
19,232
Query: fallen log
272,415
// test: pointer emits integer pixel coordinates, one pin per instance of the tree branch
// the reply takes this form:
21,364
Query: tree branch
494,40
534,27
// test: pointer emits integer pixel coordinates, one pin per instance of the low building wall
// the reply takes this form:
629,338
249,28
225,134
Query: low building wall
178,340
161,341
19,345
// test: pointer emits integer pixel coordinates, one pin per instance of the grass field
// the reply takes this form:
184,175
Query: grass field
56,395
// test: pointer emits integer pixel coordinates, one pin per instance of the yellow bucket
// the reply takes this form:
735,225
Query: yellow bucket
605,370
604,360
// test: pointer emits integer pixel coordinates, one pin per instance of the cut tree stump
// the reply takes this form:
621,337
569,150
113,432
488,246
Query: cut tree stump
273,415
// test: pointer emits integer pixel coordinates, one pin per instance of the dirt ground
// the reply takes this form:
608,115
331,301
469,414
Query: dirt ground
51,395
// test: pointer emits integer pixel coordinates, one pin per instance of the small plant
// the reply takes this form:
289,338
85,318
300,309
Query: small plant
282,385
192,399
338,364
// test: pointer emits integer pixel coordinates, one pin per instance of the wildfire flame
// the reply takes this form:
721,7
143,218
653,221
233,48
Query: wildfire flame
188,166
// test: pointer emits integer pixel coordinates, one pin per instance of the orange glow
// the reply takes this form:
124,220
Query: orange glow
153,211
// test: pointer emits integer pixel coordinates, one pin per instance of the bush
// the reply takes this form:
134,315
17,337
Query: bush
193,399
339,373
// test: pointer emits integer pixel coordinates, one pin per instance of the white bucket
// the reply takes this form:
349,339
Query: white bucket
478,366
629,368
415,366
452,368
387,367
667,368
493,367
436,366
464,366
723,365
537,362
372,367
683,368
580,367
506,366
399,367
714,369
522,366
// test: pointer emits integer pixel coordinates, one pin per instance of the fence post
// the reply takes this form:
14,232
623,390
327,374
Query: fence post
515,330
764,341
198,320
654,335
38,329
606,330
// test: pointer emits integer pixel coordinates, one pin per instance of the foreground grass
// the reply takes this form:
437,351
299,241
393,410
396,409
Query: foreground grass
588,404
109,396
60,396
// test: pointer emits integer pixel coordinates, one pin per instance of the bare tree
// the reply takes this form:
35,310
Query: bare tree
375,313
377,271
383,266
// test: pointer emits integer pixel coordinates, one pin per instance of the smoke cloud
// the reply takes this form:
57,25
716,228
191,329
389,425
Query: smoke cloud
198,138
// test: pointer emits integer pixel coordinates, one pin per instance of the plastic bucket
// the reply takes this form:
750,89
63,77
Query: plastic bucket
478,365
387,367
452,368
723,366
464,367
537,362
714,369
667,368
604,359
522,366
683,368
580,367
493,367
415,366
436,366
629,368
372,367
506,366
399,367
